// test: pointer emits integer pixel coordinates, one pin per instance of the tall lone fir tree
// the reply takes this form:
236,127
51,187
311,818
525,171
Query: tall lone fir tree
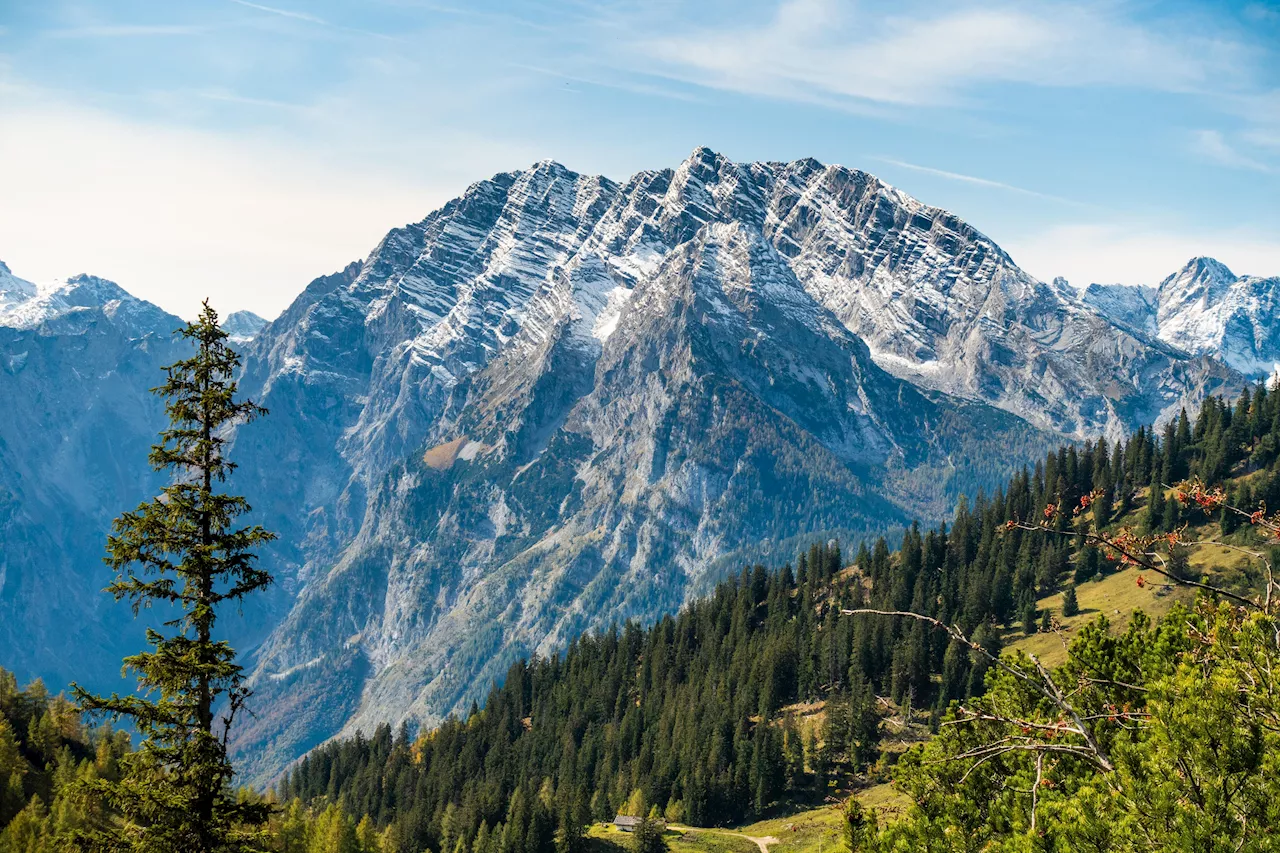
183,550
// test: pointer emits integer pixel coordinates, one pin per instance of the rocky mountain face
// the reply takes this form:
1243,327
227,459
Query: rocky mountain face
1204,309
242,326
942,305
76,360
558,401
1131,306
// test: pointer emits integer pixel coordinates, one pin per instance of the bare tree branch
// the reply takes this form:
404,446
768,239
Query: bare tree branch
1042,684
1035,788
1146,559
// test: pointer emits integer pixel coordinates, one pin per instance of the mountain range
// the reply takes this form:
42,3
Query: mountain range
1204,309
76,361
560,401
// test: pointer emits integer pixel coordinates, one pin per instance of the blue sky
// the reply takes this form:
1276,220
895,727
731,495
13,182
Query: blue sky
238,149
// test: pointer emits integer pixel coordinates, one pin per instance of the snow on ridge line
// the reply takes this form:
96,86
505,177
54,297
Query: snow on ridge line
27,305
1202,309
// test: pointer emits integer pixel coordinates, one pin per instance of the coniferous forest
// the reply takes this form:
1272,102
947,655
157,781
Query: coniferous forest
767,695
695,716
783,426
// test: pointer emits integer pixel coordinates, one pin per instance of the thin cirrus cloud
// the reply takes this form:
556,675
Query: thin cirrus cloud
124,31
634,87
972,179
284,13
1213,145
1261,115
810,46
232,98
1264,138
308,18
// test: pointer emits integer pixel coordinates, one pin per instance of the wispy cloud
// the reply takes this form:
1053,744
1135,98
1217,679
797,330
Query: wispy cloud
921,58
1257,12
485,15
1264,138
308,18
1214,146
233,98
284,13
632,86
971,179
106,31
1260,115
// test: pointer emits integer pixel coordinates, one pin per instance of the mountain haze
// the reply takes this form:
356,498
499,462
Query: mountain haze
76,360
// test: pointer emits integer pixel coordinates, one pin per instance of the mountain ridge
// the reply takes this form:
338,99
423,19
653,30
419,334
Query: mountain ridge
1204,308
243,326
76,361
559,396
499,334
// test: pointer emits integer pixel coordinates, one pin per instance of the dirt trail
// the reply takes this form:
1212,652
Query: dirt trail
762,843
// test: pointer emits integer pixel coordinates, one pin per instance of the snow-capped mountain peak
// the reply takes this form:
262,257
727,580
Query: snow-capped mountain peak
1202,280
242,326
1203,309
88,291
13,290
78,300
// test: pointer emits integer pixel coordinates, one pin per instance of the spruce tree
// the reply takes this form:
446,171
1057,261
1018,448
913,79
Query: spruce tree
820,761
793,752
1155,506
864,723
184,552
12,769
1125,494
1028,616
1179,563
1103,507
1227,518
1070,604
1171,517
1088,564
648,838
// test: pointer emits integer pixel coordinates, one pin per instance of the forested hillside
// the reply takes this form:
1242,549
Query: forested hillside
694,716
765,696
44,748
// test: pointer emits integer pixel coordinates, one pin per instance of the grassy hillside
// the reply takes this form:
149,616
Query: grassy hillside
1115,596
811,831
801,828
